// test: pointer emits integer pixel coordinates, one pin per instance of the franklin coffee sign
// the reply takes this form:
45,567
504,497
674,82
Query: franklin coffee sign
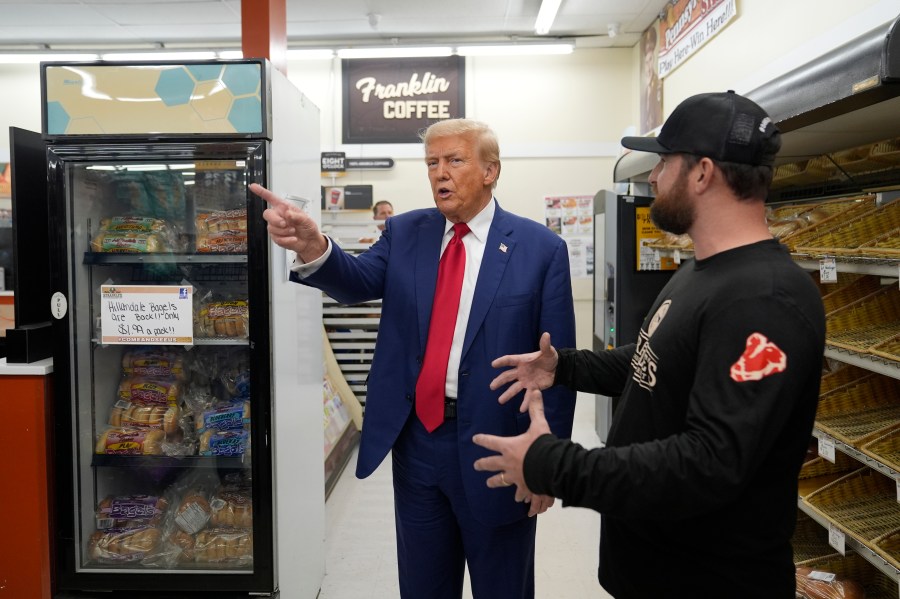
391,100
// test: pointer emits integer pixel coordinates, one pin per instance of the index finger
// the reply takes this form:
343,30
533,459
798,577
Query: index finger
491,442
507,360
269,196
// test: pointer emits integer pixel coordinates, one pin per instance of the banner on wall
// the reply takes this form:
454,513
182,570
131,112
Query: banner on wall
390,100
651,84
572,218
686,26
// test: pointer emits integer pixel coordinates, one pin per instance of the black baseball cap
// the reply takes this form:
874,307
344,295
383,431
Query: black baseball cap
722,126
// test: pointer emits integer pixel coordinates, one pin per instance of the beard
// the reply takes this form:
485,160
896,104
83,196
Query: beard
672,210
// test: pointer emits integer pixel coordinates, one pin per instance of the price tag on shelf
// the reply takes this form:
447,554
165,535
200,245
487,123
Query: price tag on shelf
898,490
837,539
826,449
827,270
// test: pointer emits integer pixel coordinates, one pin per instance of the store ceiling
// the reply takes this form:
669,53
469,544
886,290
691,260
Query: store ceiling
38,24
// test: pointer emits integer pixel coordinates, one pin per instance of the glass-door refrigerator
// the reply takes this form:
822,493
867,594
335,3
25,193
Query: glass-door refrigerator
188,369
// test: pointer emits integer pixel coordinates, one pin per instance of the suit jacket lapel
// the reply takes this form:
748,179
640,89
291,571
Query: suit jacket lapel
493,264
428,254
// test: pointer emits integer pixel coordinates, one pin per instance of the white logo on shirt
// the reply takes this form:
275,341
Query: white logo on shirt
644,361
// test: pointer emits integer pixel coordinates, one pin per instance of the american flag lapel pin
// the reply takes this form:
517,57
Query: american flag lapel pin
503,247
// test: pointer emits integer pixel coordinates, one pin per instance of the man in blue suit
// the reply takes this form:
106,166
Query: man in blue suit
515,286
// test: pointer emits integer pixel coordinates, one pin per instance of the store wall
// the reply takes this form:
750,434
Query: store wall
20,102
769,38
559,118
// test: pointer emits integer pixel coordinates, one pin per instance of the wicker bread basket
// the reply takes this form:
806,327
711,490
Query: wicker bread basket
860,411
883,246
845,239
804,172
849,293
886,151
818,472
840,377
866,322
885,448
840,211
810,540
862,504
889,349
888,547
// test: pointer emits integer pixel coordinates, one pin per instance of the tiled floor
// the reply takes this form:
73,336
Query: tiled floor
360,550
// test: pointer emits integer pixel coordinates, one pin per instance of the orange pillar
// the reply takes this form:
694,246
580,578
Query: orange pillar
25,552
264,31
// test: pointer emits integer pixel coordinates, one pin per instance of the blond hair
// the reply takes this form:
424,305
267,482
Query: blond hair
486,143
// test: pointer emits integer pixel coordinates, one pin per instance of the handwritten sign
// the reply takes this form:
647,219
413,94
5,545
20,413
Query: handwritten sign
146,315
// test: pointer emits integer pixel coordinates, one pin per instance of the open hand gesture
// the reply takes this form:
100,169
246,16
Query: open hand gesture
529,371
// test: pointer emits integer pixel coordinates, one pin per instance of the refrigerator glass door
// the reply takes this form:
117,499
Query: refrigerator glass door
163,400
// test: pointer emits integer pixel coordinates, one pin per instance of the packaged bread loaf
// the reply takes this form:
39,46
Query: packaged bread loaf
154,362
782,228
150,391
231,508
130,511
135,415
184,542
134,224
224,417
193,512
222,220
227,318
222,232
224,443
140,234
817,584
130,441
223,545
140,243
222,242
123,545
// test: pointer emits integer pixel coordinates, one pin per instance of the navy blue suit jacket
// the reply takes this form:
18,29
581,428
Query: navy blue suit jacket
521,291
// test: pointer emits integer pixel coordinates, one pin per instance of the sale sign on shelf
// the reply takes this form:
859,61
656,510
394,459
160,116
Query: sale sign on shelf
146,314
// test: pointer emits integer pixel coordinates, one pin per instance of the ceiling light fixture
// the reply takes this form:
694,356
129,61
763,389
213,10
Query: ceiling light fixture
231,54
514,50
394,52
310,53
33,58
157,55
546,15
613,29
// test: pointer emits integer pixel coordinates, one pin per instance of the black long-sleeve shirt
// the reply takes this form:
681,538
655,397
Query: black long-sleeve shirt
698,481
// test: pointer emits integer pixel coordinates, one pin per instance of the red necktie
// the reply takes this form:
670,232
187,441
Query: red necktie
433,378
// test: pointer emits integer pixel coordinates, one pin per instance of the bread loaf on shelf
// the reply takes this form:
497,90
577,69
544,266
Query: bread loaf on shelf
232,509
123,545
130,511
217,545
817,584
130,441
193,512
130,415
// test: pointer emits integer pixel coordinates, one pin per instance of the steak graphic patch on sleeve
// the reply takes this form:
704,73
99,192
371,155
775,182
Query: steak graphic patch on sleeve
761,358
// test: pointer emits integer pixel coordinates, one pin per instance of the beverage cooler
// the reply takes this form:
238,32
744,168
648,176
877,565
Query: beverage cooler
628,277
188,369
